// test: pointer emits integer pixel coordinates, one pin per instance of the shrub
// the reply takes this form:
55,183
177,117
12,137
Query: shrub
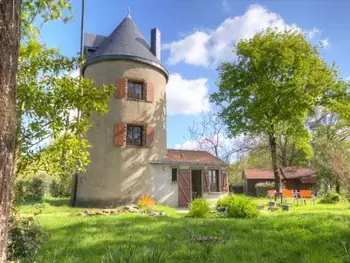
20,189
60,187
263,187
25,238
223,203
242,207
38,187
331,198
199,208
146,201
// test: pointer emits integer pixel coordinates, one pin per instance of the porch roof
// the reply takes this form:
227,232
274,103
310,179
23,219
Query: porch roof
189,157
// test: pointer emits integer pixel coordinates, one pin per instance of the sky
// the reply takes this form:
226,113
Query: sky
197,35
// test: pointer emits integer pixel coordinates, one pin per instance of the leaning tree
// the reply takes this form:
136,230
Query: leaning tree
277,80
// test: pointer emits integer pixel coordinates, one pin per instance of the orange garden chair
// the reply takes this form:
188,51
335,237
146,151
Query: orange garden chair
288,194
307,195
271,193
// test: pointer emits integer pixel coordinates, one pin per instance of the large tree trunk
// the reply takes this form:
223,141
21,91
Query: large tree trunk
10,11
273,149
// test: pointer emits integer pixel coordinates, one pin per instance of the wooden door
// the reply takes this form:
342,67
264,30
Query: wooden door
184,183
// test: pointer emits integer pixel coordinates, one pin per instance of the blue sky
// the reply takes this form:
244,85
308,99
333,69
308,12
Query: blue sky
199,34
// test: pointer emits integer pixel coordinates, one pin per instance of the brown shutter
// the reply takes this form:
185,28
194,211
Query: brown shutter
149,92
119,134
184,184
150,136
120,87
224,181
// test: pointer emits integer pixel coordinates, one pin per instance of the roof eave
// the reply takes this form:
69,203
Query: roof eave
127,57
187,163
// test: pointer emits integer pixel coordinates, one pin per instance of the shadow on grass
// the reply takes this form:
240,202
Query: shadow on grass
284,238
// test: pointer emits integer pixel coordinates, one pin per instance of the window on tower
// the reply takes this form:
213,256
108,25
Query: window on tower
135,90
134,135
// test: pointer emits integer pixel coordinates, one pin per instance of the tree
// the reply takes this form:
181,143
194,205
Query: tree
209,134
276,81
331,144
47,97
10,11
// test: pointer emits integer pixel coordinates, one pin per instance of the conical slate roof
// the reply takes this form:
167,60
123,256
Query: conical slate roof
126,42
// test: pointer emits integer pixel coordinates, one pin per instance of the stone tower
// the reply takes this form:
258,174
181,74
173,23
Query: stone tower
133,132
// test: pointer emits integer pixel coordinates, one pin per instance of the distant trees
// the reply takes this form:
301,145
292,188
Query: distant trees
277,81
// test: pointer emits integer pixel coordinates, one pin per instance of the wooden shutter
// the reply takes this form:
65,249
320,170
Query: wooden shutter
119,134
120,91
206,181
150,136
149,92
224,181
184,184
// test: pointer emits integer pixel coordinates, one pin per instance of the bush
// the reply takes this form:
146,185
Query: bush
331,198
242,207
20,189
38,187
60,187
263,187
223,203
199,208
146,201
25,238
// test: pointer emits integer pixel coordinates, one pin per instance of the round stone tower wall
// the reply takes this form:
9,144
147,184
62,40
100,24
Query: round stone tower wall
119,174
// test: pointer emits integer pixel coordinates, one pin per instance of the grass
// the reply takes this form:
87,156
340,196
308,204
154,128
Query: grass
308,233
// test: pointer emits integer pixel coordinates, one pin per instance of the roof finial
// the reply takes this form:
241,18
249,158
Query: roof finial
129,15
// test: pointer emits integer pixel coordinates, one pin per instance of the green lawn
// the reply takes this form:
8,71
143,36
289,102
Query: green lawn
308,233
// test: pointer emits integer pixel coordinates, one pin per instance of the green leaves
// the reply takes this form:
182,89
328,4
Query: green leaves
277,80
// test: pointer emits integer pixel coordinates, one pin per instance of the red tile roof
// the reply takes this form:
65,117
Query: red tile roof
190,157
305,174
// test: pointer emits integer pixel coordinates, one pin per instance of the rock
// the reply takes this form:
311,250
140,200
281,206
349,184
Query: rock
162,213
273,209
113,212
261,207
131,208
106,211
80,214
154,213
99,213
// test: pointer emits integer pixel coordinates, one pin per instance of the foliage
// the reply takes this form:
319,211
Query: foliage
331,198
199,208
38,186
223,203
146,201
20,190
25,237
135,253
60,187
255,91
263,187
242,207
49,98
331,146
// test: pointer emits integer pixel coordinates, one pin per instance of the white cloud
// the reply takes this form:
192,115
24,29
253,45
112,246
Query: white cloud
325,43
192,49
75,73
226,6
204,48
188,97
312,33
187,145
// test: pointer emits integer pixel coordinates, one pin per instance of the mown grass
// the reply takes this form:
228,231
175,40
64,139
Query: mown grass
308,233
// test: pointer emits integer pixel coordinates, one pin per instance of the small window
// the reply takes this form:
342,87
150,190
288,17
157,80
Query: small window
214,180
134,135
135,90
174,175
